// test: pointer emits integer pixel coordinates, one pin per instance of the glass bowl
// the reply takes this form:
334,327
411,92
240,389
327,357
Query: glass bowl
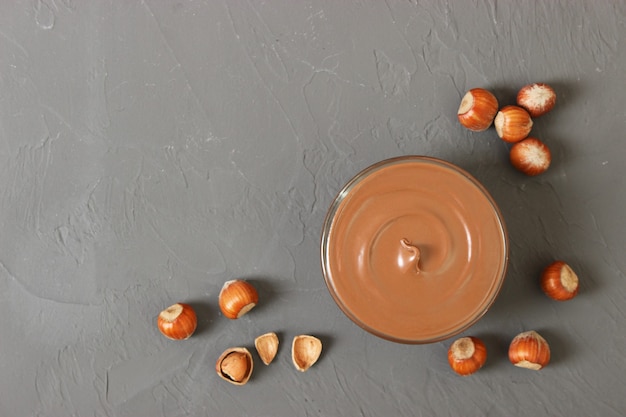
414,249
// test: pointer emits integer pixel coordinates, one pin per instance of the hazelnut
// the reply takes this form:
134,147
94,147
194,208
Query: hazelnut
559,281
236,298
537,98
513,124
477,110
467,355
530,156
529,350
177,322
235,365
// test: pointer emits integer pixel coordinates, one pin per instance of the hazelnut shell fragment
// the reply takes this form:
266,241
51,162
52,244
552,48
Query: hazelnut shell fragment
305,351
267,347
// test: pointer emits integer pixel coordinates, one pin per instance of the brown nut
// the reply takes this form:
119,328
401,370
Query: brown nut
177,322
235,365
267,346
305,351
530,156
237,297
529,350
513,124
467,355
537,98
477,109
559,281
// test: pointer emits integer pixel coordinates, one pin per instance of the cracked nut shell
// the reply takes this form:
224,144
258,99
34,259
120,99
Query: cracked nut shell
267,347
305,351
235,365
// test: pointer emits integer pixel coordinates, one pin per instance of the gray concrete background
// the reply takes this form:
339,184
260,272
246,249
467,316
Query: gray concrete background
152,150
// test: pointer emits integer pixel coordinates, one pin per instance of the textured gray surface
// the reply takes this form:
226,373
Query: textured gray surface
150,151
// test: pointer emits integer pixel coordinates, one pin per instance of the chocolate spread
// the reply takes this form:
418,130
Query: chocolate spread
414,250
